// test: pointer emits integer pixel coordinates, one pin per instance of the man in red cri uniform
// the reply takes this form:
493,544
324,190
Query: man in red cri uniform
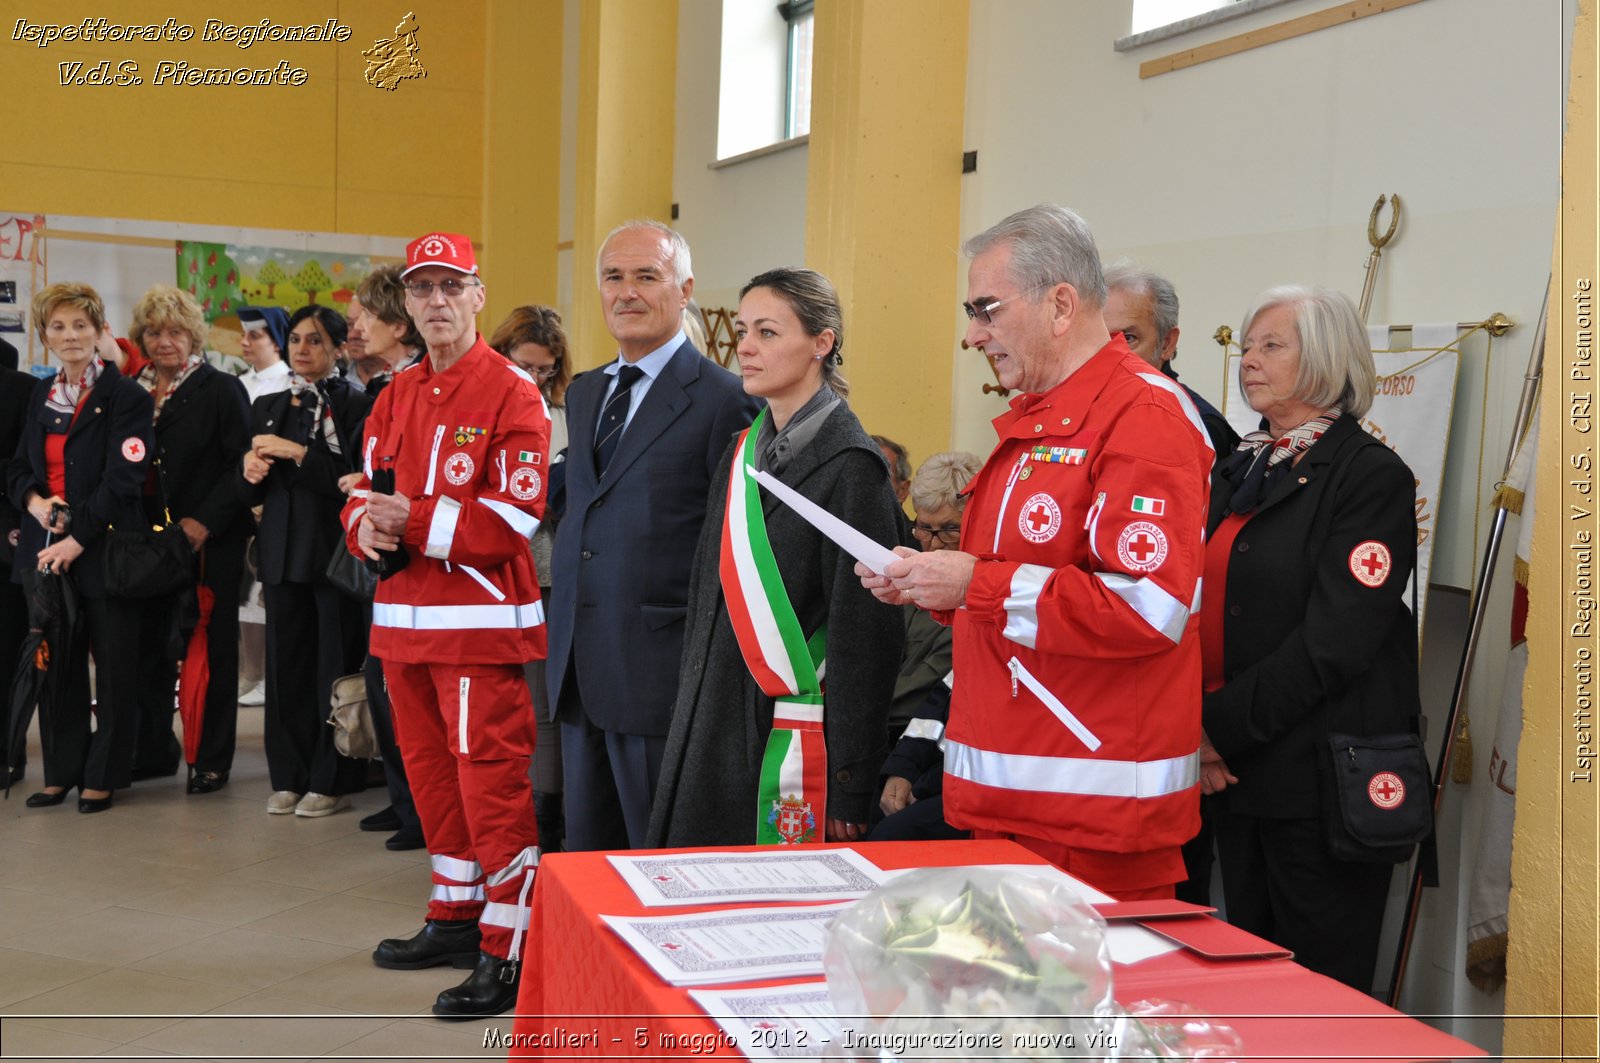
1075,724
455,460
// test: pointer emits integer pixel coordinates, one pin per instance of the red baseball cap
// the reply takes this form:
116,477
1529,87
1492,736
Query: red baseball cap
450,250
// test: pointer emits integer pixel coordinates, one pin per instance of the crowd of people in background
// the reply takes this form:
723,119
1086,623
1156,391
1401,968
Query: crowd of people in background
585,619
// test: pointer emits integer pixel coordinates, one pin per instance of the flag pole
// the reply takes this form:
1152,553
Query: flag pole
1519,427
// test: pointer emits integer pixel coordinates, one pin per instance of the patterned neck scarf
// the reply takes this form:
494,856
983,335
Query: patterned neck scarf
315,395
151,383
66,394
1261,459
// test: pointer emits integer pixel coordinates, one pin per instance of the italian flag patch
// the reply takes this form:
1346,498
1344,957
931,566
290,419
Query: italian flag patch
1155,507
528,457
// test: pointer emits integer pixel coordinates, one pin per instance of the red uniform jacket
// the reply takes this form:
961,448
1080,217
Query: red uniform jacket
468,447
1076,711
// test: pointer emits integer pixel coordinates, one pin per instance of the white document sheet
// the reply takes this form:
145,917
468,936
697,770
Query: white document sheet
778,1022
742,878
734,945
853,542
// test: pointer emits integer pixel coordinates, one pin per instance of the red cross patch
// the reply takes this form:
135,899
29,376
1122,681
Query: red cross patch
524,483
133,449
1370,563
1386,790
458,468
1039,519
1142,546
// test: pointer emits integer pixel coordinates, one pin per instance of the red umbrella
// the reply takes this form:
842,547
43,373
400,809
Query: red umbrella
195,676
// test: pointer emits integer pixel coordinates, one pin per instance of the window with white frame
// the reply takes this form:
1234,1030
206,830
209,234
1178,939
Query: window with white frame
765,92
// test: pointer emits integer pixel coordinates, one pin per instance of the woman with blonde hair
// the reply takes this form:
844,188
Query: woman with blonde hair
201,428
79,468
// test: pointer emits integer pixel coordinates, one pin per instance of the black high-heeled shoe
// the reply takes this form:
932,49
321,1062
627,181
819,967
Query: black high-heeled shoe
94,804
45,800
208,782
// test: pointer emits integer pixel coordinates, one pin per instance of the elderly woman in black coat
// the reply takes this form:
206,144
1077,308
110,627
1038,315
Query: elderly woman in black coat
202,431
79,468
1305,631
779,759
303,440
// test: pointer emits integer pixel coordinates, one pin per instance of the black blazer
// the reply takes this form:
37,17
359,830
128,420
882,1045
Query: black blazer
202,433
107,459
623,550
16,388
1307,646
300,526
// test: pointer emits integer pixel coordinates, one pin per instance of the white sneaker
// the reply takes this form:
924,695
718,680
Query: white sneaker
315,805
282,802
255,697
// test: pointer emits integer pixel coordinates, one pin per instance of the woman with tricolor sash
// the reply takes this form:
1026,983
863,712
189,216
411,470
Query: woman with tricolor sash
789,664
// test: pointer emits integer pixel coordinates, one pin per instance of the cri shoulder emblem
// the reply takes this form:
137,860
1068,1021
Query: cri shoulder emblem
524,483
1040,518
1370,563
458,468
1142,546
133,448
1386,790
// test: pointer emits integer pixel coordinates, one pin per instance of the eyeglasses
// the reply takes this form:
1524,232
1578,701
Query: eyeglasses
451,287
543,372
949,534
984,308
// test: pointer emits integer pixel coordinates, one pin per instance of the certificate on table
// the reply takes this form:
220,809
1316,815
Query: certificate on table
670,879
733,945
778,1022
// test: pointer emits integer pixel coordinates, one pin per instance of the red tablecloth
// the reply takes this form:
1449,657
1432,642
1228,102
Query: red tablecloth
586,993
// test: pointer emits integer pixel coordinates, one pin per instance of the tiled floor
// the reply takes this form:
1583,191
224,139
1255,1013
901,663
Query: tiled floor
203,928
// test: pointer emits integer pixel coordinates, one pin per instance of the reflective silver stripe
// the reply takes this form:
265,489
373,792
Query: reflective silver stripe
455,869
529,857
442,528
457,894
457,617
1020,672
433,460
483,581
1151,601
1194,606
366,456
522,522
1184,403
950,679
506,915
1091,524
1072,775
1022,607
355,515
461,714
932,730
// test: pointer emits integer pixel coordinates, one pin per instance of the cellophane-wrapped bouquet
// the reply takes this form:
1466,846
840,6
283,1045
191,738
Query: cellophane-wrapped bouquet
974,963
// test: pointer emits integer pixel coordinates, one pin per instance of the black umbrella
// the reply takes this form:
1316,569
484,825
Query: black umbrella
53,623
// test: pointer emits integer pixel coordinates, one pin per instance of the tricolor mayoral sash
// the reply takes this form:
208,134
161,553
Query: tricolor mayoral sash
791,796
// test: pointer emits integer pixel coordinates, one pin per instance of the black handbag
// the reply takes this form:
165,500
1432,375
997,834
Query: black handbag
351,574
148,562
1378,800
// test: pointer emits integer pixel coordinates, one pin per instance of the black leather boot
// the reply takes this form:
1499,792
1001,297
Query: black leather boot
438,942
489,990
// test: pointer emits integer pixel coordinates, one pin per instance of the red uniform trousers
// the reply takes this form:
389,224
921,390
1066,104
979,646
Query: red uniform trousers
466,732
1146,876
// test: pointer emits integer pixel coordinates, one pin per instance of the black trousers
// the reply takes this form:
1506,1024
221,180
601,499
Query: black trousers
609,779
157,747
101,757
13,629
394,769
1281,883
315,634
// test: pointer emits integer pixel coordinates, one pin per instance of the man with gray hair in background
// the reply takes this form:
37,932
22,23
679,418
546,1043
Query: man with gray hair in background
1075,719
646,435
1143,306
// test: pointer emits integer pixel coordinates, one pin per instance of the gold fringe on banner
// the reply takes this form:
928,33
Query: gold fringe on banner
1461,752
1508,498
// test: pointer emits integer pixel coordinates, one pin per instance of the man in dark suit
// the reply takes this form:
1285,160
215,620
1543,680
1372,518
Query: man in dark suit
647,434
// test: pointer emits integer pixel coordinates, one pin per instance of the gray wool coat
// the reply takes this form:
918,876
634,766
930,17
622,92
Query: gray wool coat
707,789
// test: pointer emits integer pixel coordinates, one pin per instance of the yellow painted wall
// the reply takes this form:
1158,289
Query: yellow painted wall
883,203
1552,964
333,154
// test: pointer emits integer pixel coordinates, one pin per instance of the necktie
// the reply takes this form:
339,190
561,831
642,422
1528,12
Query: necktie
614,417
